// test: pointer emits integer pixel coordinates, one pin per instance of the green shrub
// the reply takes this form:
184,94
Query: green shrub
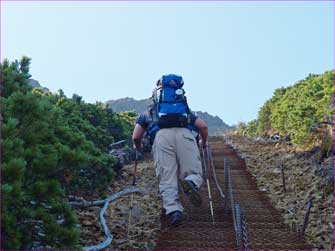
52,145
296,109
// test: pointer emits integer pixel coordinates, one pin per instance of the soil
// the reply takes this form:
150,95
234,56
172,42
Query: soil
145,215
306,177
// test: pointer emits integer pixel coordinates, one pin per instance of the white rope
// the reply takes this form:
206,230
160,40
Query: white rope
105,202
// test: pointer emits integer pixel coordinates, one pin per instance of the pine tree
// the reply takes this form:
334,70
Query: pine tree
52,145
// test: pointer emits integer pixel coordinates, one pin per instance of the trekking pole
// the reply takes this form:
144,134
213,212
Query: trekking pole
207,180
214,174
132,195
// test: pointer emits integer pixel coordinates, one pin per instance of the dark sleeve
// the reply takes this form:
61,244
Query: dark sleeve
143,121
193,118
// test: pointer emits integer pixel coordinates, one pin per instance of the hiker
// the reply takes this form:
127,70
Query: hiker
172,129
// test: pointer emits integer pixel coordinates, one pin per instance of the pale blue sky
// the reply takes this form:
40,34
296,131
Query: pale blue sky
232,55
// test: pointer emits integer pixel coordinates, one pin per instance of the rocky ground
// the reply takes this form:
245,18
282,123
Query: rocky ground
146,212
307,177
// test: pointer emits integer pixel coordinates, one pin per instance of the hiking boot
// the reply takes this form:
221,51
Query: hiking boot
175,218
192,192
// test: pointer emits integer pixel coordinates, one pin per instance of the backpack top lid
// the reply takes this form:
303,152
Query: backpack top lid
172,80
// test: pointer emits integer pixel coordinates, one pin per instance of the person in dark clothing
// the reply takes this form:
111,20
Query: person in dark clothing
175,151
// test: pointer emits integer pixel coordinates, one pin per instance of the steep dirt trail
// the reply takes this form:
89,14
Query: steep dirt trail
266,229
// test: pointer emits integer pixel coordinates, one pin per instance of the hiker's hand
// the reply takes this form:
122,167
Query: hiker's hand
202,143
137,147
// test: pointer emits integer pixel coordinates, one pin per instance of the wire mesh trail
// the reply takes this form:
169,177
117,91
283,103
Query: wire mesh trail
266,229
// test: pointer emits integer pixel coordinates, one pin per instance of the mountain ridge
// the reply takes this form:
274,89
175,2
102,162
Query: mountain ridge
215,124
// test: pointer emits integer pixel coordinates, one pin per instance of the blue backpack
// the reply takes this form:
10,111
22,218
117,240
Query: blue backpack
170,104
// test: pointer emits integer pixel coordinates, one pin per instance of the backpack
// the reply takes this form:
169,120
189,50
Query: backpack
170,107
170,103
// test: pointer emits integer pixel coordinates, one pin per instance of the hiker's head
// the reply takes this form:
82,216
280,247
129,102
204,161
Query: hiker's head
159,82
155,93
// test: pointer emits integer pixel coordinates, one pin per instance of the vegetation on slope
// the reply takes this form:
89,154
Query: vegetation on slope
51,146
296,111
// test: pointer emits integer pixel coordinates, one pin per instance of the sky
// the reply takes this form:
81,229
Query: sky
232,55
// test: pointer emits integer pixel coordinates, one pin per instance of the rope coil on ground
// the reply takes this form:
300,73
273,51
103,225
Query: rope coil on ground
105,202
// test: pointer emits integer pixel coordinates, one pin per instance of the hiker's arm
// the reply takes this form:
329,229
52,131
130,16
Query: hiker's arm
137,136
202,126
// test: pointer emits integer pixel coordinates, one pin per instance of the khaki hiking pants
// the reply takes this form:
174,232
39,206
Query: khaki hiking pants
176,155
